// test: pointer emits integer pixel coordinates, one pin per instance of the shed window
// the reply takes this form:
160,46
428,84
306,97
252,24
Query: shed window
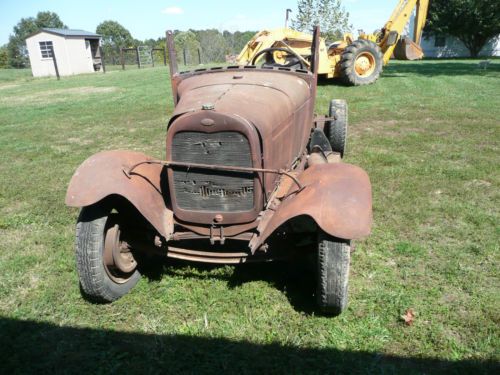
440,41
46,49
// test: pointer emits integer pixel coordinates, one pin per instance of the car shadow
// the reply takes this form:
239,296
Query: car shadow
30,347
294,278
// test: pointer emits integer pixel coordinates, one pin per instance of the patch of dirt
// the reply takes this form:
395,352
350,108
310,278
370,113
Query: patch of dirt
477,183
9,86
57,96
80,141
396,128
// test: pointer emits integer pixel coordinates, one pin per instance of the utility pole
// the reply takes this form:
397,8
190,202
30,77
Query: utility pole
288,11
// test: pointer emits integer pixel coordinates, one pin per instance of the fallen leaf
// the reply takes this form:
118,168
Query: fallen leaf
408,317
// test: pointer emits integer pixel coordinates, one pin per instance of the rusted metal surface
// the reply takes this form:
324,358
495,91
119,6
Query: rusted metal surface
338,198
205,256
102,175
315,62
229,231
118,259
167,163
221,122
179,236
263,119
277,104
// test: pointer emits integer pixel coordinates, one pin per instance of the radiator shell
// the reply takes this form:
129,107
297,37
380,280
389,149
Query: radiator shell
201,195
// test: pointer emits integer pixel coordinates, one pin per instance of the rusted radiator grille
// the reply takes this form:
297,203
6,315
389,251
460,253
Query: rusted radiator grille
208,190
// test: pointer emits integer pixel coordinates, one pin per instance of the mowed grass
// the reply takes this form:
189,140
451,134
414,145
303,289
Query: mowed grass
428,135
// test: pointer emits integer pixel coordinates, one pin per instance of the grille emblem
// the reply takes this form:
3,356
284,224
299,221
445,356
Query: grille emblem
207,122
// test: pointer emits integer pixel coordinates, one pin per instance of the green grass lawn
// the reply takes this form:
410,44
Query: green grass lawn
427,133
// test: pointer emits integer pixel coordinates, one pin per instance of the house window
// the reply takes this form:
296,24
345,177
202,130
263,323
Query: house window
440,41
46,49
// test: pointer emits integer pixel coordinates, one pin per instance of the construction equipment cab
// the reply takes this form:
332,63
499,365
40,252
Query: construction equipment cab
355,62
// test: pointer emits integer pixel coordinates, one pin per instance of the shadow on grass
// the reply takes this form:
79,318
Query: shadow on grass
438,68
294,278
429,68
33,347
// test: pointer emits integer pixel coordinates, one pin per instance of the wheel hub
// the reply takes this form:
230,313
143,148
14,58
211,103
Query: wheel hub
118,259
364,64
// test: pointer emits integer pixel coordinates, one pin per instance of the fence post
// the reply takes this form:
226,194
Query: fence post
55,62
102,60
138,59
152,58
122,58
199,56
164,56
184,54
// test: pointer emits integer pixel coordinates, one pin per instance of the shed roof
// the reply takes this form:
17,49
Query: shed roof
68,32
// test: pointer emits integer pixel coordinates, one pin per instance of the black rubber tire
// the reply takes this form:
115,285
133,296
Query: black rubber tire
336,130
334,257
347,70
364,41
295,64
94,280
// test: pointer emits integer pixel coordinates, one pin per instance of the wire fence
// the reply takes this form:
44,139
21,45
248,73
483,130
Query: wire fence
145,56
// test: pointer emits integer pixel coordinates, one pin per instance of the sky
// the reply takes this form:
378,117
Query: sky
151,18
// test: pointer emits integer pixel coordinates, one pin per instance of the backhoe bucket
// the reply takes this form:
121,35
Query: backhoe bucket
407,49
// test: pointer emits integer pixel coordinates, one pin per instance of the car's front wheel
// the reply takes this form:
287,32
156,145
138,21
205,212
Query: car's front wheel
334,257
106,267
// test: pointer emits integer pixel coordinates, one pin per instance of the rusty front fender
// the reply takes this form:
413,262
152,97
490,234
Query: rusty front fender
103,174
336,196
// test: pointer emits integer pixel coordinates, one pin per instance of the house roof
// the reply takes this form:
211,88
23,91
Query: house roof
68,33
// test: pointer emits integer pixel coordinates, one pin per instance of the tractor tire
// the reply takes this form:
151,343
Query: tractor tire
361,63
333,274
336,130
98,281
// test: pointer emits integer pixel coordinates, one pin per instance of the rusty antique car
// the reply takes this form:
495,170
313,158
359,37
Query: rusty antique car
249,172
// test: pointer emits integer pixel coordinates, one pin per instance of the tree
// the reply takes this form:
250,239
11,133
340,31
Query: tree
114,37
237,40
4,57
213,45
18,54
473,22
330,15
114,34
186,43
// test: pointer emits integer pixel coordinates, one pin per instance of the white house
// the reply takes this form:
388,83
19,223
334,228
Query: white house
76,51
446,46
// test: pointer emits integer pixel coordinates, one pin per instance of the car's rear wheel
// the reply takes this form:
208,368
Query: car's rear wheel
106,267
336,129
334,257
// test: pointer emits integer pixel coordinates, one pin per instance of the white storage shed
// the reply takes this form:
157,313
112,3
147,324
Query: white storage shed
76,52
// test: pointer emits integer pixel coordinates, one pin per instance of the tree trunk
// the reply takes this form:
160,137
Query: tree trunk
474,44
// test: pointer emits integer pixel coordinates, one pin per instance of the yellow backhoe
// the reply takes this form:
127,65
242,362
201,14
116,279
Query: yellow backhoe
355,62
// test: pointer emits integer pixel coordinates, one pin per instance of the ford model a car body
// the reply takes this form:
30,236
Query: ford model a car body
247,167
